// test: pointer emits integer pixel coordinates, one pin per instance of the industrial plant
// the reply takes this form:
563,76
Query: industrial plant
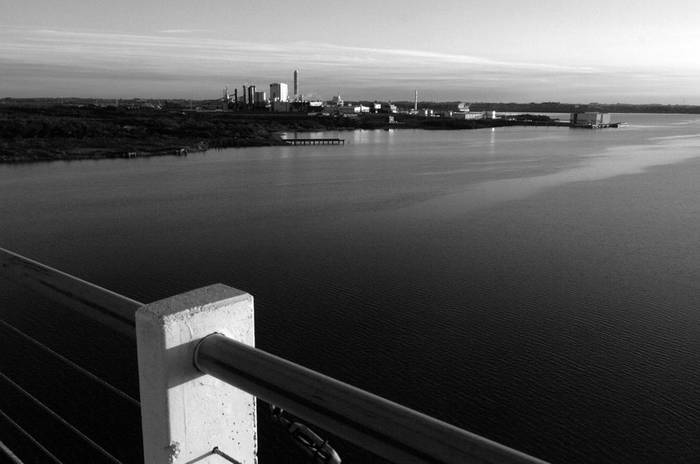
276,98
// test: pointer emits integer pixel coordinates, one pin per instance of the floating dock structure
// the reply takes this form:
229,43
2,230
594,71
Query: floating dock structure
315,141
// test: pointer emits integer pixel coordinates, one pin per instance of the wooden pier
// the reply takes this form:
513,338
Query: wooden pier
315,141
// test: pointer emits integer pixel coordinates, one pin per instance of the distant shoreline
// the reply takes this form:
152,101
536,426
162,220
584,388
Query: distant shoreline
514,107
60,132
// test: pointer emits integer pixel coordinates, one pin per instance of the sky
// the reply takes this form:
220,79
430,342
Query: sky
457,50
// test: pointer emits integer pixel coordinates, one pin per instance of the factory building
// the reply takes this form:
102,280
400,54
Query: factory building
468,115
590,119
280,107
260,99
279,92
337,100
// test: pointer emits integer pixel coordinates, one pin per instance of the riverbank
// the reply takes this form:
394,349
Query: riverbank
91,132
57,132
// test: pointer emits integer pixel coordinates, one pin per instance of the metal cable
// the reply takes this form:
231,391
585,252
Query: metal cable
218,452
75,366
110,308
29,437
9,454
53,414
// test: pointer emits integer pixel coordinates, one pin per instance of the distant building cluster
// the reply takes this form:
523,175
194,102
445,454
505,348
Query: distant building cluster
277,98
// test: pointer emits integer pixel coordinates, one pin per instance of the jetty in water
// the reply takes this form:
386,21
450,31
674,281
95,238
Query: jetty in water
315,141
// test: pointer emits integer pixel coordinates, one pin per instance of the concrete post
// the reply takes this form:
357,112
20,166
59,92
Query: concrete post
184,413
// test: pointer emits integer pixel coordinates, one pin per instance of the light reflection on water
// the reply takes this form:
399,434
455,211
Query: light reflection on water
614,161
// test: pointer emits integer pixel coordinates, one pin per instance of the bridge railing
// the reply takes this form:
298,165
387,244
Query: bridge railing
200,375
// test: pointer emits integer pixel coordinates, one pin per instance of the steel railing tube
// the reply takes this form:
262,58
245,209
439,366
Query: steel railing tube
385,428
106,306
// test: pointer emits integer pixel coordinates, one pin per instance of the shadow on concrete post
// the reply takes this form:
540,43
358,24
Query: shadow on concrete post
185,413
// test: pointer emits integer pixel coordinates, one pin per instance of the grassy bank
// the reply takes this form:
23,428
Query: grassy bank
76,133
68,132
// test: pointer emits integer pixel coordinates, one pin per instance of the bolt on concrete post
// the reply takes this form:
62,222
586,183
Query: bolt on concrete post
185,413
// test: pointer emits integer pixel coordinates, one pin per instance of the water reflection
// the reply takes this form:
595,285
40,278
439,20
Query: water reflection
614,161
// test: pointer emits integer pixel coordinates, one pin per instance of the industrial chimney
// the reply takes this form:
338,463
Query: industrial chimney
296,84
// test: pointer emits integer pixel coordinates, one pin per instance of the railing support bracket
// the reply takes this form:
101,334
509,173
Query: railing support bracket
185,413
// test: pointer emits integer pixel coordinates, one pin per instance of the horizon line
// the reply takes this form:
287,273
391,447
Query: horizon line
543,102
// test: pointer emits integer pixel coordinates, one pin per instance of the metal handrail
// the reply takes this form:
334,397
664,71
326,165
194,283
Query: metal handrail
97,302
385,428
108,307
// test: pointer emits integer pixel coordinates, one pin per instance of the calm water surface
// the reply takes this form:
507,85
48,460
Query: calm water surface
539,286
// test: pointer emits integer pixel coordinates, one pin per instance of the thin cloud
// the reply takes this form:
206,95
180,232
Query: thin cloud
172,45
449,58
179,60
180,31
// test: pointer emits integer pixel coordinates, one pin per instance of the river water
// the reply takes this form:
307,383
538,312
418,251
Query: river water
539,286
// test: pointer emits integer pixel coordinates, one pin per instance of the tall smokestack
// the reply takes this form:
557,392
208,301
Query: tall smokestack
415,101
296,84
